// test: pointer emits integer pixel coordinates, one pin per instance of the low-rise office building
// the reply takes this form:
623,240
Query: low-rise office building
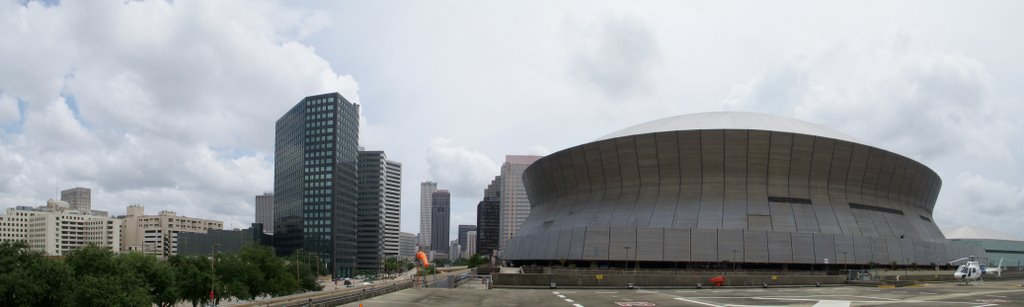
158,234
223,241
56,228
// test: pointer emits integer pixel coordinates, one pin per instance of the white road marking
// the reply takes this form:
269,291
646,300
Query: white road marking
607,292
894,291
755,290
876,298
698,302
721,291
927,293
832,304
555,292
561,296
577,305
568,300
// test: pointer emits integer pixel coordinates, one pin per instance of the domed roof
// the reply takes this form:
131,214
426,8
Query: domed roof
731,121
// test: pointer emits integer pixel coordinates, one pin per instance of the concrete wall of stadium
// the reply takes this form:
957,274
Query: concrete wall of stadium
731,195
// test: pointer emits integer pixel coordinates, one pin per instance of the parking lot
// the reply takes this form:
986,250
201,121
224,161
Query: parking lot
995,293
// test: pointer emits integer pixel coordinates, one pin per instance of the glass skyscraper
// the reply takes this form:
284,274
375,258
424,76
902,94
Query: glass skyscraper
316,153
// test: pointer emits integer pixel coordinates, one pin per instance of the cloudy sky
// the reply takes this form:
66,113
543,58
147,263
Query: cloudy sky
172,104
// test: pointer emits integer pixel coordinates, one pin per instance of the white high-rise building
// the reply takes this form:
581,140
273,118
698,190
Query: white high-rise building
453,250
392,207
470,243
427,189
56,228
515,206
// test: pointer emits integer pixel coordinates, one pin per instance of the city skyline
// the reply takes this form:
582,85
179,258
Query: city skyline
183,119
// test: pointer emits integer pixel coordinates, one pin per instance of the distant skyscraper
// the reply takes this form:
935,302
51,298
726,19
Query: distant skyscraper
488,219
515,205
470,244
407,245
439,218
315,179
265,211
427,189
380,183
79,198
463,229
453,250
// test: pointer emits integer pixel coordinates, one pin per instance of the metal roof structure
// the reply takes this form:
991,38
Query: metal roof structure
732,120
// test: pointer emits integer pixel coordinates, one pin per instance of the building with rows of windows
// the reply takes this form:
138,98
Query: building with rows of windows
57,228
315,181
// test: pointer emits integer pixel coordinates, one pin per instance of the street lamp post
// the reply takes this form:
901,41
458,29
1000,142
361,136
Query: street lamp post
734,259
213,269
844,262
636,257
627,256
297,267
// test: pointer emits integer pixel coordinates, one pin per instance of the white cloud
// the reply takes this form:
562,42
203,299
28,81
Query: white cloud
176,100
935,106
616,56
463,171
538,150
166,103
9,111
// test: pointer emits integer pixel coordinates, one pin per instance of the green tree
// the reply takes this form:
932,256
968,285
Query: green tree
476,260
100,282
158,277
193,278
272,276
30,279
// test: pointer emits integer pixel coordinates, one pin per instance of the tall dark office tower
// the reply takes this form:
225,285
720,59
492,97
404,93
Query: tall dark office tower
316,152
463,229
488,219
379,209
439,217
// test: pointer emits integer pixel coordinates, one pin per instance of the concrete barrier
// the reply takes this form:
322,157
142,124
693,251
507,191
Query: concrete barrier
655,280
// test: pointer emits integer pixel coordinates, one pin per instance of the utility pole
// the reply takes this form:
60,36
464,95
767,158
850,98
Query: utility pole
636,256
627,256
213,269
297,267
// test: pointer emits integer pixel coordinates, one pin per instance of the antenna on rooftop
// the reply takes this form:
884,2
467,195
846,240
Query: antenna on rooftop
56,183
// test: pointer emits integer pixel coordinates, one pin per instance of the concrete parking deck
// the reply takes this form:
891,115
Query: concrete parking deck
992,293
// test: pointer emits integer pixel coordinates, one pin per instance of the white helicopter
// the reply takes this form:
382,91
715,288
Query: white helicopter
973,270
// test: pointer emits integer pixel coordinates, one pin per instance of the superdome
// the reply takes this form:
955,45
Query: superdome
730,187
732,120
